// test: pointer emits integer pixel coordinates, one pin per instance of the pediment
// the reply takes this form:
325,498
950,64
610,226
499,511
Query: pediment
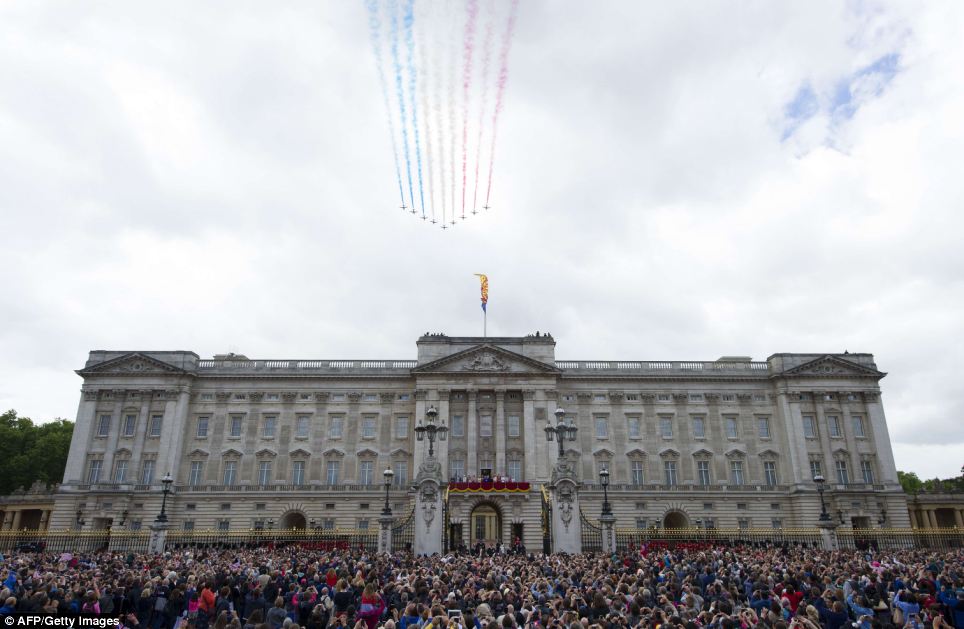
366,452
333,452
263,452
485,358
735,453
769,453
198,452
604,452
300,452
703,452
231,452
400,452
133,364
832,366
635,452
669,452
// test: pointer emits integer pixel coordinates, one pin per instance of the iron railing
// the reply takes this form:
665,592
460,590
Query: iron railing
403,533
591,534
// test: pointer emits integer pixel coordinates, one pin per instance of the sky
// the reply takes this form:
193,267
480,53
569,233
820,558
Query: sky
674,181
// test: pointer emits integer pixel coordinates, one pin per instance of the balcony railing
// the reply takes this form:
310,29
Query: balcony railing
242,366
655,367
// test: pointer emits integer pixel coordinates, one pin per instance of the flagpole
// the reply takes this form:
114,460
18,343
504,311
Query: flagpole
485,315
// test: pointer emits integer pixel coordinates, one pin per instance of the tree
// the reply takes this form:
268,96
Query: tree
30,452
910,482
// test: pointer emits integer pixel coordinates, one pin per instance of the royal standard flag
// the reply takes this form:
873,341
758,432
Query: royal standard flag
484,279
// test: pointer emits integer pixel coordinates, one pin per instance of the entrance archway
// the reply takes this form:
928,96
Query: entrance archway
485,524
293,520
675,520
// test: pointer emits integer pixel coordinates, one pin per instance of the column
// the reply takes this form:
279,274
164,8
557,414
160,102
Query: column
932,518
499,432
531,435
173,427
16,520
444,420
45,519
793,420
80,444
958,519
878,427
140,435
116,418
385,522
385,436
472,436
856,473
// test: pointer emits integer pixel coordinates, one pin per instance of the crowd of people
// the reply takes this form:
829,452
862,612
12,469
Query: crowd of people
722,587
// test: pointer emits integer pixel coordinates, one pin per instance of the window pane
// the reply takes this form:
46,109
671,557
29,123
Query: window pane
669,468
103,426
401,427
335,429
699,428
731,432
485,425
736,472
515,470
514,428
368,427
236,425
195,478
147,472
842,476
120,471
298,473
401,473
633,427
458,426
264,472
763,426
301,427
834,424
637,472
230,470
809,427
156,425
666,427
602,428
130,422
333,469
202,426
270,422
770,472
858,423
703,471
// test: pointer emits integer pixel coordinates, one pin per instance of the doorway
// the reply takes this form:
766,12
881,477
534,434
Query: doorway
486,525
293,520
675,520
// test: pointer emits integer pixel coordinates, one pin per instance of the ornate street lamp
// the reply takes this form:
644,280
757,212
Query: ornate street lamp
166,482
561,432
388,474
431,429
821,482
883,518
123,521
604,481
80,517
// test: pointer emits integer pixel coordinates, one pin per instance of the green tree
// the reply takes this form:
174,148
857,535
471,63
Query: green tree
30,452
910,482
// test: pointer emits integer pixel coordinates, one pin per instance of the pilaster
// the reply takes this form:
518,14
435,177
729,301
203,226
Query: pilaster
472,435
878,425
531,437
80,444
500,432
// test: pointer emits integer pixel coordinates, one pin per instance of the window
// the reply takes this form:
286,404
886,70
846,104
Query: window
264,472
328,524
485,425
195,478
815,468
602,427
240,396
743,523
514,428
188,525
120,471
858,423
842,476
663,397
728,397
457,426
770,473
809,427
731,428
147,472
833,423
93,471
696,397
699,428
336,427
776,523
867,471
741,506
371,397
401,473
368,427
202,427
230,473
260,506
404,397
305,396
337,397
759,397
225,506
640,523
829,397
666,427
703,472
669,471
363,525
207,397
270,426
485,461
366,472
632,397
401,427
301,426
103,426
636,472
271,397
332,472
457,468
763,427
298,473
130,422
514,469
135,525
599,397
155,429
236,424
224,525
736,472
633,426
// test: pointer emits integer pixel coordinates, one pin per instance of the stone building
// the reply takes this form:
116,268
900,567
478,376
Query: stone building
730,443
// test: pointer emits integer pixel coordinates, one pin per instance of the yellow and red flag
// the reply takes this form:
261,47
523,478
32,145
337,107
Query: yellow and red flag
484,279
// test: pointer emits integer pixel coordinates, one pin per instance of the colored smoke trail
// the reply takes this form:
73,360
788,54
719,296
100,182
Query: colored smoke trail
408,19
468,47
500,89
423,84
486,55
453,74
375,26
397,66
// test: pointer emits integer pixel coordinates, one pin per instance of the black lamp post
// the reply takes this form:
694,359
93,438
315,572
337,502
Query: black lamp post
604,481
431,429
388,474
123,518
821,482
166,482
561,432
80,517
883,517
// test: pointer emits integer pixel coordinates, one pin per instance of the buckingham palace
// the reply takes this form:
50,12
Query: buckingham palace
250,443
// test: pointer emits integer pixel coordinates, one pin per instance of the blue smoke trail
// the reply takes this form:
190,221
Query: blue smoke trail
408,19
375,26
397,66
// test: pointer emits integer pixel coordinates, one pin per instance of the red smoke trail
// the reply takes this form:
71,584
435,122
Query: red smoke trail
468,46
486,56
500,90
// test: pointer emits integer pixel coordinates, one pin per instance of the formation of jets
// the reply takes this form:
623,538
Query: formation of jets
404,208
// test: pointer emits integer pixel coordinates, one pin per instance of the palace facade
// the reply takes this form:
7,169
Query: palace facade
250,443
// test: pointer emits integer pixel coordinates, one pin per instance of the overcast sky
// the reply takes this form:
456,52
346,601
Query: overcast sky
674,181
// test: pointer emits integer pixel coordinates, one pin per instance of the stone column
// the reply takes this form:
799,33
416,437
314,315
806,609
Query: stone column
472,436
932,518
140,436
958,519
530,434
80,444
445,419
428,508
16,520
566,523
158,538
500,433
116,419
828,535
793,420
608,521
385,523
45,519
881,436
